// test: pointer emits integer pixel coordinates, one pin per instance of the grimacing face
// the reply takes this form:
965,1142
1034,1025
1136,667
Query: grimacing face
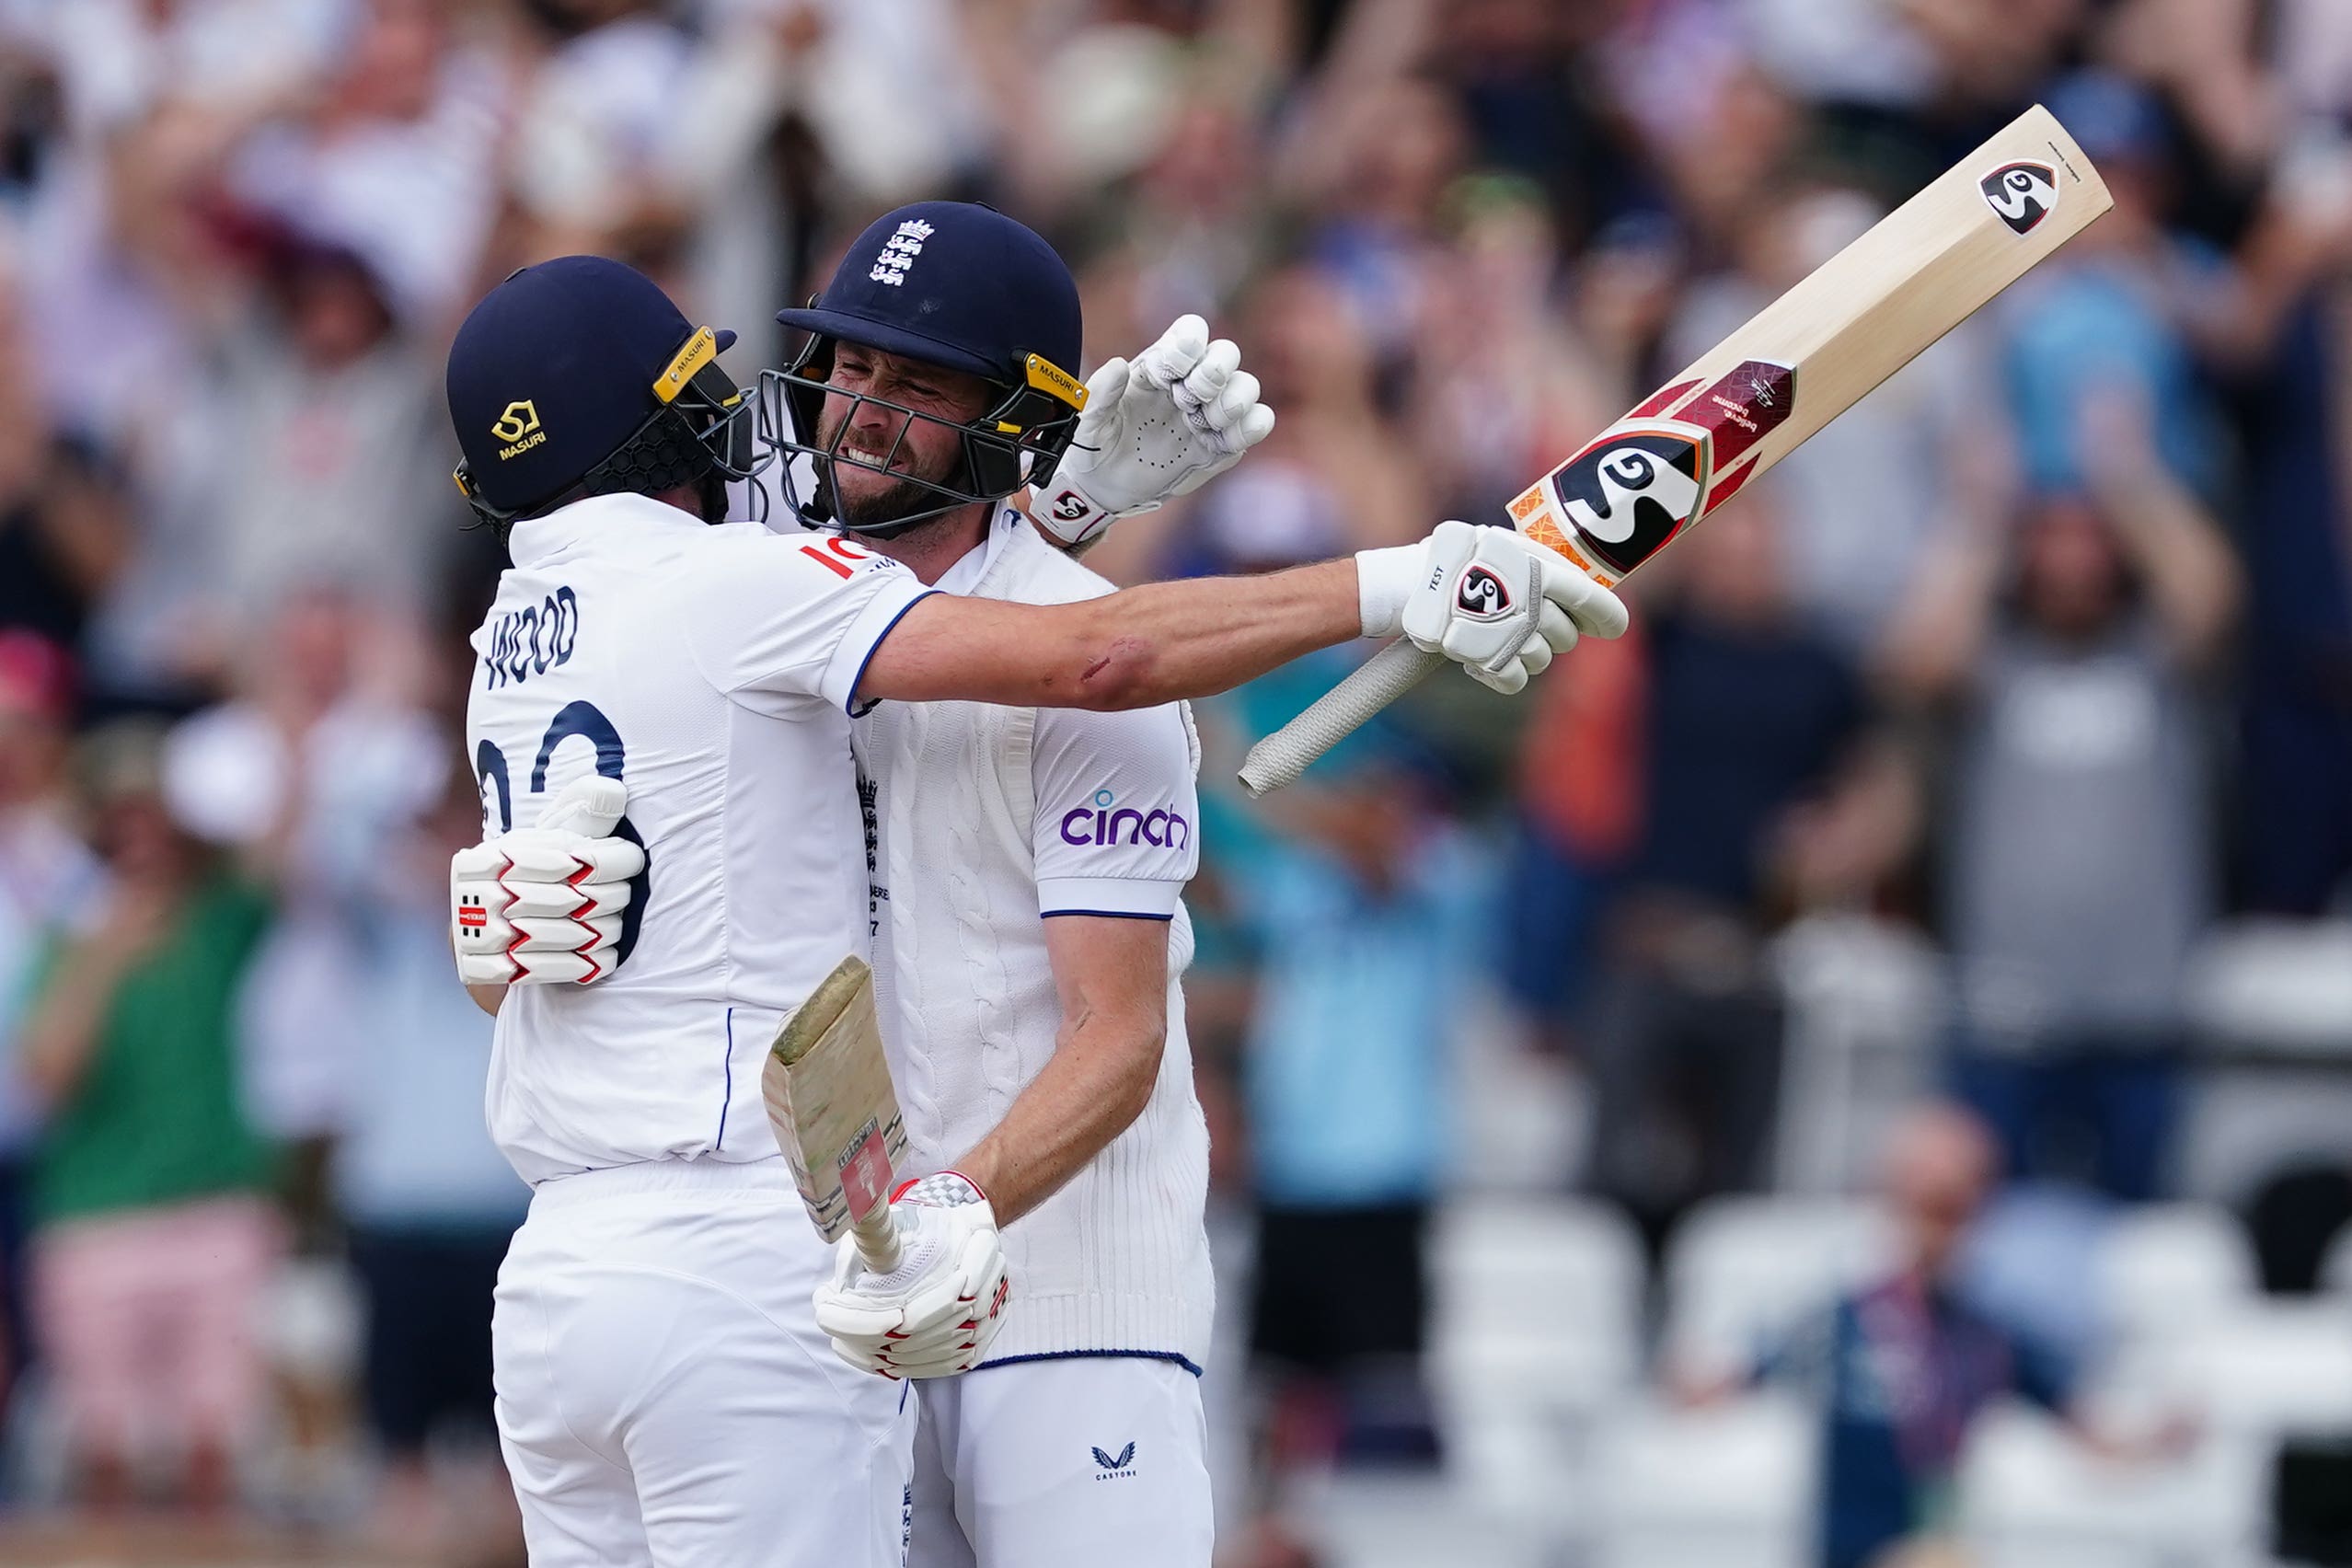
864,490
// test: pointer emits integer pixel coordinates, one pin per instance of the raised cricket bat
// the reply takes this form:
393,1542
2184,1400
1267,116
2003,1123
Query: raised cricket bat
835,1113
1754,398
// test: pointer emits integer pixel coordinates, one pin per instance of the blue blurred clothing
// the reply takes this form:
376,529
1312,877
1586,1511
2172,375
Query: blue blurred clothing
1900,1373
2294,796
2095,1108
2092,327
416,1151
1345,1073
1743,725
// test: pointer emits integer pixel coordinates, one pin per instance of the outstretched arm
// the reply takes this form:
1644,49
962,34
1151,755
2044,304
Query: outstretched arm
1495,602
1135,648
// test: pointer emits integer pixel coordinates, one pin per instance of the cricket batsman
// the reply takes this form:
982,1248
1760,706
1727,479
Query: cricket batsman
665,1392
1028,933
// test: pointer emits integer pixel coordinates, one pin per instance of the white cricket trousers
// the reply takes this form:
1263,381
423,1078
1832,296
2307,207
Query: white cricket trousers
664,1400
1063,1462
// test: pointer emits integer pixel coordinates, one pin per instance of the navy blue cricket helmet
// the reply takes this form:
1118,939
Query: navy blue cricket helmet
948,283
577,377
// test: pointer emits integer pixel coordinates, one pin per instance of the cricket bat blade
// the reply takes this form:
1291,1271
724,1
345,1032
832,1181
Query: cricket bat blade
1755,397
834,1113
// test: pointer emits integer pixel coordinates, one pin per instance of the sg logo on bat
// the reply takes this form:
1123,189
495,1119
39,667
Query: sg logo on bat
1634,489
2021,194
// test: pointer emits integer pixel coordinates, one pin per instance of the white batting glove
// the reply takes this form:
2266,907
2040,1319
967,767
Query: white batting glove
543,906
1182,412
936,1313
1495,602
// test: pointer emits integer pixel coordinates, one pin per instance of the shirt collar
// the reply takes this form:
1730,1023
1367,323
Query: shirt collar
586,524
966,574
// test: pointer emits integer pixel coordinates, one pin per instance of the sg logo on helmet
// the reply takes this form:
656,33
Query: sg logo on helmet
519,428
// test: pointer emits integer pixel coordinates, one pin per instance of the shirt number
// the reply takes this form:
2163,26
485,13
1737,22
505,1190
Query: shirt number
495,780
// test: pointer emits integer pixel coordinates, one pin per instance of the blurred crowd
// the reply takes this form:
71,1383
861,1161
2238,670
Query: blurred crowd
2044,654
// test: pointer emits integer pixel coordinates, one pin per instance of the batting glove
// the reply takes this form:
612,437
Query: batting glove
936,1312
1182,412
1492,601
543,906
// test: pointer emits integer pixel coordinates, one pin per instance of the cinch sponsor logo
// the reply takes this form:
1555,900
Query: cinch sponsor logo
1098,823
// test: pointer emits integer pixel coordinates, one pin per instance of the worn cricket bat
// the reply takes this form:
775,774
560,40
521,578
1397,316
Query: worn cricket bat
1754,398
836,1115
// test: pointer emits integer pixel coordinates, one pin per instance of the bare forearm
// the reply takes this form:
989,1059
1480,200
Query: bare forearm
1098,1083
1166,640
1936,639
2191,576
63,1034
1134,648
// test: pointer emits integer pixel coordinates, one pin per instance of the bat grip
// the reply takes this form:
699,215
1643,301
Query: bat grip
876,1234
1282,756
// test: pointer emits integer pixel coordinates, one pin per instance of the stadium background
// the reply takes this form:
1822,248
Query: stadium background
1996,751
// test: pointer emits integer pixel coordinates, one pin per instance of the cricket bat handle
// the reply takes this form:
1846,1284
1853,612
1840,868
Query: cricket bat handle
1282,756
876,1234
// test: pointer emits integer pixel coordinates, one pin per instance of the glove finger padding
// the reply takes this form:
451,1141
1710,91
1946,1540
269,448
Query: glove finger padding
565,900
1097,420
1553,628
1207,380
546,968
545,903
589,806
1240,395
1175,356
1594,610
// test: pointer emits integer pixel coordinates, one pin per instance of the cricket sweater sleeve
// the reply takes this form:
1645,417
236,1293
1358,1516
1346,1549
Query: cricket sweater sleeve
1116,828
795,615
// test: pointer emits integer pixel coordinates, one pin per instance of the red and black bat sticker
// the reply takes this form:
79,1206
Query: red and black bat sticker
2021,194
1632,491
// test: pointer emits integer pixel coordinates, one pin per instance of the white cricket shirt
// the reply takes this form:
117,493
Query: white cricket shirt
987,821
710,669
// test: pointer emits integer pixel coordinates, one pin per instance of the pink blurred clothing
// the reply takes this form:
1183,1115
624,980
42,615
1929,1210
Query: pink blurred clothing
148,1319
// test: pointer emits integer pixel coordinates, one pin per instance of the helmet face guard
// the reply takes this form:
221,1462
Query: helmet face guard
1018,439
703,423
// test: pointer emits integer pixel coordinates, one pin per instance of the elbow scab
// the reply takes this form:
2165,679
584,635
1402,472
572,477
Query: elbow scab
1115,678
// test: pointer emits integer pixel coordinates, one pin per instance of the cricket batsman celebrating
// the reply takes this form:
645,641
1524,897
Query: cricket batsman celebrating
1028,933
665,1394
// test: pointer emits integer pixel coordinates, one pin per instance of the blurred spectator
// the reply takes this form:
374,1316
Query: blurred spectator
1502,385
1900,1369
430,1202
1363,900
2109,319
327,457
2080,856
1454,237
153,1237
1332,478
318,759
1862,499
48,881
1755,756
396,157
